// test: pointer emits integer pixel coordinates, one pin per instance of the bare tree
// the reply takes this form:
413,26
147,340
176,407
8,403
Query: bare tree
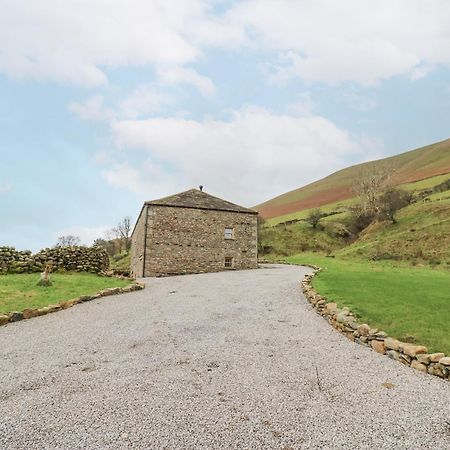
314,217
68,241
123,233
377,198
110,234
114,245
369,187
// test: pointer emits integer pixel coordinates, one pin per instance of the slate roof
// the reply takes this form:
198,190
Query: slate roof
194,198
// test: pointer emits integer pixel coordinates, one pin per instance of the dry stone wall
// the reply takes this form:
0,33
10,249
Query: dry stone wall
415,356
79,259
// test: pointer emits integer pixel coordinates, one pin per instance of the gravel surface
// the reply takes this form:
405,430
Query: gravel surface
225,360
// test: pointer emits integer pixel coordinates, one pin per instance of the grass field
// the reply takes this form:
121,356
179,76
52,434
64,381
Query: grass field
410,304
19,291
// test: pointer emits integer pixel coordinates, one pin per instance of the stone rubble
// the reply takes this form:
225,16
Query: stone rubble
414,356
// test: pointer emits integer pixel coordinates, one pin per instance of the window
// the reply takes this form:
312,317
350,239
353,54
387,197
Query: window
228,262
229,233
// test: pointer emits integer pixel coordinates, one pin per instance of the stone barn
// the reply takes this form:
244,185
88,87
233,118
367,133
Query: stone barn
193,232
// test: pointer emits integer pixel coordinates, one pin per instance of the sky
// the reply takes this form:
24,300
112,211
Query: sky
107,103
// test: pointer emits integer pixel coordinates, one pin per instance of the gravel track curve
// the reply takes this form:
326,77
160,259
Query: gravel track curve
223,360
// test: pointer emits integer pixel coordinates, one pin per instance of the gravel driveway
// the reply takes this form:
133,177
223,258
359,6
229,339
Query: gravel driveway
225,360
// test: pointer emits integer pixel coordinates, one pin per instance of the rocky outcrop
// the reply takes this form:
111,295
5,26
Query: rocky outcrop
415,356
79,259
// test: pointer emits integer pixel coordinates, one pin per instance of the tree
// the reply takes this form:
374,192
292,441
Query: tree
369,187
123,233
68,241
117,239
314,217
391,201
377,198
99,242
108,244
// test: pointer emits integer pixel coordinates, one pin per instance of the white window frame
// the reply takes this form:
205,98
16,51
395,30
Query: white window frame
229,233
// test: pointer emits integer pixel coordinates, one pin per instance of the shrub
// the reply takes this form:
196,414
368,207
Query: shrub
314,217
391,201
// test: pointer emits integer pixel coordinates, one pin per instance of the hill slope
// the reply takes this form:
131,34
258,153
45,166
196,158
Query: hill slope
409,167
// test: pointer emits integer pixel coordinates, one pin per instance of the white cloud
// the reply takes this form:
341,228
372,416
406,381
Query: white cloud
143,100
183,75
5,187
122,175
349,40
357,100
92,109
248,159
76,41
149,178
86,234
304,105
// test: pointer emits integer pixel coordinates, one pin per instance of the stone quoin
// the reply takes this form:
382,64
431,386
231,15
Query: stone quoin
193,232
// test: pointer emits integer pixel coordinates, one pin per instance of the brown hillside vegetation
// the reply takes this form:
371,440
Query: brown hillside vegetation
411,166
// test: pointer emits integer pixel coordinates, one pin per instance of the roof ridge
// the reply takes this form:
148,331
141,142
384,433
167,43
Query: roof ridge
198,199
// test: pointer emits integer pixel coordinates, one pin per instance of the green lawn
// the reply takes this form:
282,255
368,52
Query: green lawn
410,304
19,291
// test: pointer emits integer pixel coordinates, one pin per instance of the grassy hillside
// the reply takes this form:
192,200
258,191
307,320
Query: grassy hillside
300,237
420,236
335,190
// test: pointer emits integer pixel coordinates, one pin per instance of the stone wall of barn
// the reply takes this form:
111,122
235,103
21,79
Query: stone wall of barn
137,245
188,240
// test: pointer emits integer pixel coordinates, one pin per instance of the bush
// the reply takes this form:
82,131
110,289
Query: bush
391,201
360,220
314,217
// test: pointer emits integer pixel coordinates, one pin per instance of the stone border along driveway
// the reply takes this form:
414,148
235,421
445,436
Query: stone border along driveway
30,313
415,356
